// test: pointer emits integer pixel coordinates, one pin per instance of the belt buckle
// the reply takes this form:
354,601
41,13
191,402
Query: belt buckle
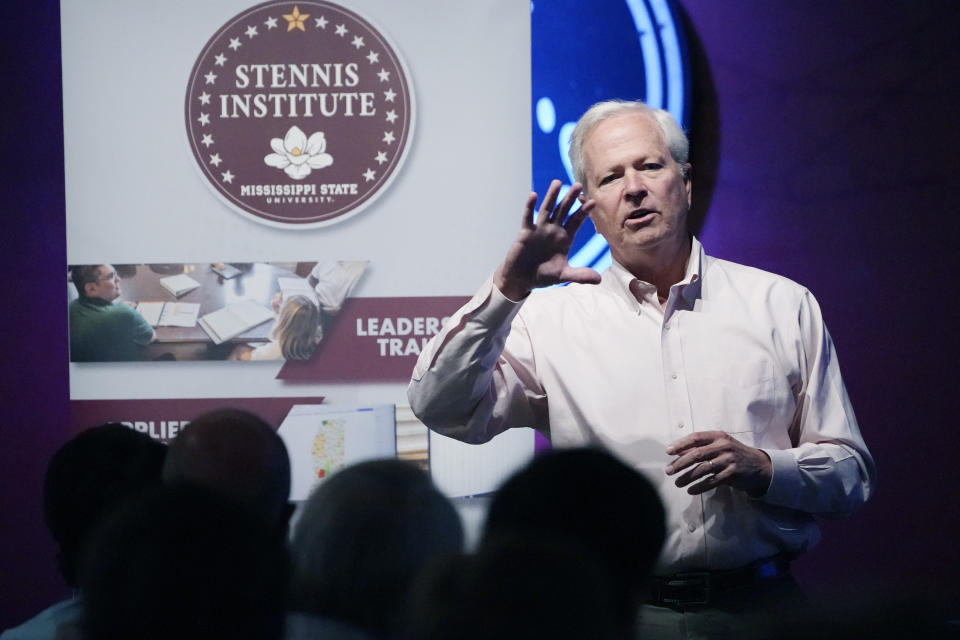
697,581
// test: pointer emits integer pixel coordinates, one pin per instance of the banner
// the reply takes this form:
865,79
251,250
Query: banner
281,200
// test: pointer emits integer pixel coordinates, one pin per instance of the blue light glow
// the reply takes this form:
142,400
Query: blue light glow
651,52
603,262
672,60
590,252
563,140
546,115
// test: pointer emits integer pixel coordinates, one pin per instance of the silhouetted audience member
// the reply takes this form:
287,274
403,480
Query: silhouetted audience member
590,498
515,588
86,477
183,562
238,455
362,538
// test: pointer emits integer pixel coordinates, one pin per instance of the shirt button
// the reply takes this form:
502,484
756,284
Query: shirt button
674,376
679,425
691,527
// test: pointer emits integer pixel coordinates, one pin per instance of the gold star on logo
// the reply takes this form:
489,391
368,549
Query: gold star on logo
296,19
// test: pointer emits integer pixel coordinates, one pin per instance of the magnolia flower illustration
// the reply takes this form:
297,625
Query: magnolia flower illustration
297,155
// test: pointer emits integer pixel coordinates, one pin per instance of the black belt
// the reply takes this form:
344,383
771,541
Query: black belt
703,588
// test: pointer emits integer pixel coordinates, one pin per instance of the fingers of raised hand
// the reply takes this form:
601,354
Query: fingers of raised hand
527,222
556,213
577,217
569,199
549,204
583,275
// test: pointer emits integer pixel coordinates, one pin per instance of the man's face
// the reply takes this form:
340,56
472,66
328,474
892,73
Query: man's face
641,196
107,286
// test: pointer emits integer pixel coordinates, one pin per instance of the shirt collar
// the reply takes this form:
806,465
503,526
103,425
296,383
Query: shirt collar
618,279
95,302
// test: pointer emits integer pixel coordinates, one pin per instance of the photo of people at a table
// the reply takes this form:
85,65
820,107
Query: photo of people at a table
205,311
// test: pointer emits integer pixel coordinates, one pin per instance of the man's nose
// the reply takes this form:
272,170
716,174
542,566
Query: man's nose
635,186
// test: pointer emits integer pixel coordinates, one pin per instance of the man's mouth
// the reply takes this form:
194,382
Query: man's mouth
638,217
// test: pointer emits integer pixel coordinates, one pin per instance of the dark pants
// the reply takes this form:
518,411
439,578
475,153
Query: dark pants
744,614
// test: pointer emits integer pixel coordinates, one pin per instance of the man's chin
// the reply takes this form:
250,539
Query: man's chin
644,236
639,242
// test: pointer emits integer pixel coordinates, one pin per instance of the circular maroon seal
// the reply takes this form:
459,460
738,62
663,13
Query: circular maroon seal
299,113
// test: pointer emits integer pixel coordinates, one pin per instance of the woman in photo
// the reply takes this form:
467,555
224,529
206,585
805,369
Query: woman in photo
295,335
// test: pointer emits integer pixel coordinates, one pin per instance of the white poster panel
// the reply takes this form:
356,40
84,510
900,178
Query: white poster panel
322,440
167,107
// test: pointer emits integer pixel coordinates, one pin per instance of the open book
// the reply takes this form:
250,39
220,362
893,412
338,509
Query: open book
290,287
170,314
234,319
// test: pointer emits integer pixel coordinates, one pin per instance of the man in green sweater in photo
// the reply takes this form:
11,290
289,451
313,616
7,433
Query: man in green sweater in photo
101,331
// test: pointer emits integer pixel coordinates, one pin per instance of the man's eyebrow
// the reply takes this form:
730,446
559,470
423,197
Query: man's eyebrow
611,168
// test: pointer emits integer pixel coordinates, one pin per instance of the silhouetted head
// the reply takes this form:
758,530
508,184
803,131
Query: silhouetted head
515,588
236,454
183,562
89,475
589,498
363,537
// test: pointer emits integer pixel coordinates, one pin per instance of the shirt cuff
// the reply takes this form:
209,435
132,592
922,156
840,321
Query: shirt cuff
785,479
499,310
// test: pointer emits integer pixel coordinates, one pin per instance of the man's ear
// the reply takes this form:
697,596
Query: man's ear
87,288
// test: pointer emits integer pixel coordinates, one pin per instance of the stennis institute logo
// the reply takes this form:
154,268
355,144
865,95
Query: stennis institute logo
299,113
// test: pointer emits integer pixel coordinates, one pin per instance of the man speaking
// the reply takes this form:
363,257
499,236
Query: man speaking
718,381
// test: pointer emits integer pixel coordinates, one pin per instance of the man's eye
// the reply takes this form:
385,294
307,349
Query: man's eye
652,166
607,179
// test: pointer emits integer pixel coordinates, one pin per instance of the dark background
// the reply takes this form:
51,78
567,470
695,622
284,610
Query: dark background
837,138
828,132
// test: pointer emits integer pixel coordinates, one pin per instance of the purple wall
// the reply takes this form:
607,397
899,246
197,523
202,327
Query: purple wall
33,338
834,125
838,165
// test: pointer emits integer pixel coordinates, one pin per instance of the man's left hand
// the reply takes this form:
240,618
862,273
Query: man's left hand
713,458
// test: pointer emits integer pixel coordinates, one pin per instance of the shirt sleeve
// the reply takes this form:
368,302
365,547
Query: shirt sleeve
267,351
829,471
140,330
476,378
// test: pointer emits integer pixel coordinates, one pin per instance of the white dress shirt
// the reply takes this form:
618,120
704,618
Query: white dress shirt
734,349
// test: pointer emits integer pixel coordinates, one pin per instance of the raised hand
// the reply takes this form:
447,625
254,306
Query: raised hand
538,257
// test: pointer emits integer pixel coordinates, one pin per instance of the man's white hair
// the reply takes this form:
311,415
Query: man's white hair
674,136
